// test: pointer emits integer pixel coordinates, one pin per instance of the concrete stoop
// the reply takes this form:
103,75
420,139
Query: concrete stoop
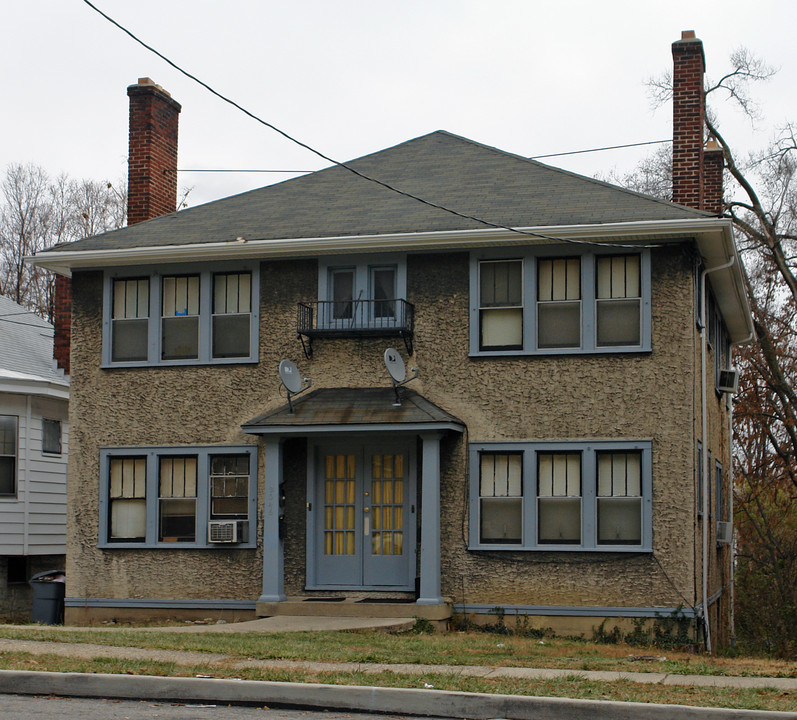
359,607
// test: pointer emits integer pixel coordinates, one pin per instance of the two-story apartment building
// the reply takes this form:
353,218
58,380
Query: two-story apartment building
551,457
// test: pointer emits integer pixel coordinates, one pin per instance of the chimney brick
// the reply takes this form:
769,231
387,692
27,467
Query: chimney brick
62,320
152,160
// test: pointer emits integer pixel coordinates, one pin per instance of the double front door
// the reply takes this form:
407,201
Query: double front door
364,518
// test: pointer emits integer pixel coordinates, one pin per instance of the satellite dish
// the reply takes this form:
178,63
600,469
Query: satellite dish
395,365
398,372
292,380
290,376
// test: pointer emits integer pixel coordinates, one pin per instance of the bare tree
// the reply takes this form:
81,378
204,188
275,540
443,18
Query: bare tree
37,212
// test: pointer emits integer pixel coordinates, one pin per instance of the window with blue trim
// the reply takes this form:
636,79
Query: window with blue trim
178,497
181,318
553,301
593,496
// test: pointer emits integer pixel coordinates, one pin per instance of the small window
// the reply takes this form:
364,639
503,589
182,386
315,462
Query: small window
619,498
177,493
51,436
8,454
130,320
229,487
232,307
501,498
559,498
559,303
180,317
127,495
501,304
17,570
618,300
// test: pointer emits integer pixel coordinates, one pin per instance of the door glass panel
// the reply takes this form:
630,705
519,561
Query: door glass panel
387,500
339,510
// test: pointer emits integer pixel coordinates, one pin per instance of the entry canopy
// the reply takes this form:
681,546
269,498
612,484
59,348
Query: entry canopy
332,410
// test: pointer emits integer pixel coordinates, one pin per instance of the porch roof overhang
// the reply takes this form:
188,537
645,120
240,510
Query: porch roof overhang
335,410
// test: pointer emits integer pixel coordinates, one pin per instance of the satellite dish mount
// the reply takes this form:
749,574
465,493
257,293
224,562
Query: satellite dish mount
398,372
293,381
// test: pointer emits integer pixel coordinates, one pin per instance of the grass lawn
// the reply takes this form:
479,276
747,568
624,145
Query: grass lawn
469,648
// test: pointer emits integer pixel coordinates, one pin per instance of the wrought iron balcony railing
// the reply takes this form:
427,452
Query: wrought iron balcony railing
355,318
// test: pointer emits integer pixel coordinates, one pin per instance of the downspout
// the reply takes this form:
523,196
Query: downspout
704,437
732,573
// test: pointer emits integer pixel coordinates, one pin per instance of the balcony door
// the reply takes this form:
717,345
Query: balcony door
364,524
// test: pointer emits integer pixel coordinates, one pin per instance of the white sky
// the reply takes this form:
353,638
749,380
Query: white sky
351,77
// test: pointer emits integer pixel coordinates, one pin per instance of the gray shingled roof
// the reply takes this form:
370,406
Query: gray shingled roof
446,169
329,407
26,344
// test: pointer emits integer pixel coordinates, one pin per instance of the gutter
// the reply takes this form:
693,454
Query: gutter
63,261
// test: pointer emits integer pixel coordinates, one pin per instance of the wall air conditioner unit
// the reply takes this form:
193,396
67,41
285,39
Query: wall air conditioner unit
228,531
724,533
728,381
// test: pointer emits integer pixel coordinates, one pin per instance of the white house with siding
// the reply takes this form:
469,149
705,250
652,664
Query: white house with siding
34,436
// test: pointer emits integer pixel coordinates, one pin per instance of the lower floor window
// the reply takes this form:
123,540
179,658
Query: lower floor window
196,496
561,496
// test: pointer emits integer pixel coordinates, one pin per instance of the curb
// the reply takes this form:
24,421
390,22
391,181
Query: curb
402,701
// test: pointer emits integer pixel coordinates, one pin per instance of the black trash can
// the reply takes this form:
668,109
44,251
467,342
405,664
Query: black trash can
49,589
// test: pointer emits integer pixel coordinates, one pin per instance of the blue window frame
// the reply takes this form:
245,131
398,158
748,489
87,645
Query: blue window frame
170,497
594,496
554,300
181,315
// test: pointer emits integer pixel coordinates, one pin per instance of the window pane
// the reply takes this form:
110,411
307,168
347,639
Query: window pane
618,322
229,482
8,435
501,283
620,521
129,340
559,325
502,328
231,336
231,293
559,520
501,520
8,475
128,519
342,294
51,436
559,279
180,338
383,282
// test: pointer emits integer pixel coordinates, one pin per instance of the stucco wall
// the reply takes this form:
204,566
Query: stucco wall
630,396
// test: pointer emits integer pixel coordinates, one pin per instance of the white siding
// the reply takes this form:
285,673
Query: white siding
34,523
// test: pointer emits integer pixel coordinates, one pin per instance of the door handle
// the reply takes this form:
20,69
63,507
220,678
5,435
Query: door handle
366,509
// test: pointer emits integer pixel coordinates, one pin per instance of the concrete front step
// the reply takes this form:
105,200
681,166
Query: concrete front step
354,607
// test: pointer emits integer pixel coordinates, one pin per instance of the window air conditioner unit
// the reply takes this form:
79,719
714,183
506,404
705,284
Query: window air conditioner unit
724,533
228,531
728,381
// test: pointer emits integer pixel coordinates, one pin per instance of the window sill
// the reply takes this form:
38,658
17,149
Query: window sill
562,548
175,546
561,351
180,363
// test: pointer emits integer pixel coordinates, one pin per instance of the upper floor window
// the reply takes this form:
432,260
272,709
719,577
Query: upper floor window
181,318
8,454
561,496
187,497
588,302
51,436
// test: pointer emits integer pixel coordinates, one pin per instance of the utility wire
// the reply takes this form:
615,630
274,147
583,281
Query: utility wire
532,157
387,186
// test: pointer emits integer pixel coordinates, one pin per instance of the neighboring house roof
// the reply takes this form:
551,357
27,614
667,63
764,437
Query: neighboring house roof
330,409
26,353
442,168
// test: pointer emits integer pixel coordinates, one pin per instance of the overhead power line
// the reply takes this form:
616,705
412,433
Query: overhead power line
345,166
532,157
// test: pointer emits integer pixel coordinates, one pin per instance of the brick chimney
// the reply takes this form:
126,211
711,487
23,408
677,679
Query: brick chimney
151,186
696,170
152,159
